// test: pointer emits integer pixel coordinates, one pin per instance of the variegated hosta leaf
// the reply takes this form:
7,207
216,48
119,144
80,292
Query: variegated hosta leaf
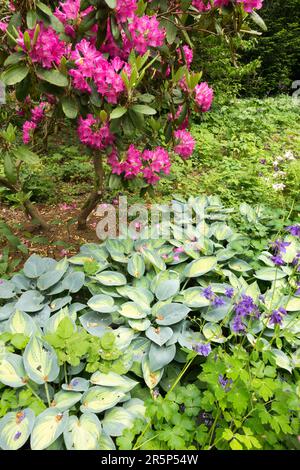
167,289
12,372
54,321
48,426
102,303
213,332
136,266
139,325
161,356
83,433
170,314
159,335
21,322
133,311
97,324
200,266
15,429
136,407
98,399
151,378
40,361
111,278
124,336
64,400
123,383
139,295
293,305
116,420
106,442
77,384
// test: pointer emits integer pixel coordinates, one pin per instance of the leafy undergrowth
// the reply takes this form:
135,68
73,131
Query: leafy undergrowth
190,341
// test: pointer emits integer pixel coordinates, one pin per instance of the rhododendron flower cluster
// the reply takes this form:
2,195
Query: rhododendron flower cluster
70,15
204,96
202,5
125,9
185,122
250,5
145,32
149,163
29,127
186,143
188,56
47,50
91,64
93,133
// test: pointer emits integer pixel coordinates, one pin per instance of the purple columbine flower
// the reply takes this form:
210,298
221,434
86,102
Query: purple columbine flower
237,325
229,292
246,306
17,435
202,349
298,289
277,260
296,260
225,383
280,246
208,293
74,382
218,301
294,230
277,316
261,298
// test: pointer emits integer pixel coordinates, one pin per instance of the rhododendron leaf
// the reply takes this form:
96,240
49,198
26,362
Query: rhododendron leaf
116,420
70,107
98,399
201,266
14,74
10,170
118,112
144,109
161,356
159,335
55,77
12,372
111,3
64,400
14,58
83,433
48,426
151,378
15,429
102,303
31,19
111,278
40,361
258,20
44,8
170,314
25,155
132,310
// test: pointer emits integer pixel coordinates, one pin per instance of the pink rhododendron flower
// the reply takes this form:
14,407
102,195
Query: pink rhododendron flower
221,3
38,112
188,53
28,128
70,15
3,26
158,161
47,50
125,9
204,96
250,5
93,133
201,5
185,123
146,32
186,143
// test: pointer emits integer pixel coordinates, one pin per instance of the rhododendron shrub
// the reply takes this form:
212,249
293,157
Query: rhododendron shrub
123,71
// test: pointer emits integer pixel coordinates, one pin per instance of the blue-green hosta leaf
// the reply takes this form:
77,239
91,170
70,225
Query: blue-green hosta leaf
213,332
151,378
154,259
54,321
194,298
106,442
159,335
15,429
73,282
225,254
42,316
170,314
49,279
116,420
123,383
83,433
139,325
161,356
139,348
97,324
30,301
139,295
136,266
59,303
282,360
98,399
221,231
7,310
291,250
34,267
270,274
48,426
167,289
136,407
123,336
111,278
189,339
132,310
239,265
40,361
201,266
21,282
21,323
216,314
293,305
177,330
64,400
77,384
12,372
7,289
102,303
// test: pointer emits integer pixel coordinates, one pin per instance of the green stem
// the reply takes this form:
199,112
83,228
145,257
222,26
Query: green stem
65,373
34,394
47,394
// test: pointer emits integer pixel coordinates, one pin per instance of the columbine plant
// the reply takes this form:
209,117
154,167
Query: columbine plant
122,69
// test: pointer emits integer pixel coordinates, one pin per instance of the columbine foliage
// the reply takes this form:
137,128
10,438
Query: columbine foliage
80,334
